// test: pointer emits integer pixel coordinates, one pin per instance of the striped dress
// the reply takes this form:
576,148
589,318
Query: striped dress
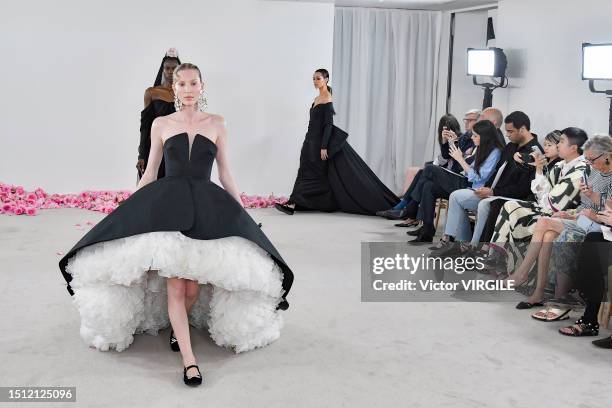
517,219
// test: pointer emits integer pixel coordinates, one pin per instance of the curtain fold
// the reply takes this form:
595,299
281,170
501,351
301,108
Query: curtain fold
385,65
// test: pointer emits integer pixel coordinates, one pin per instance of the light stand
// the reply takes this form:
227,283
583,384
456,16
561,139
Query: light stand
609,96
487,100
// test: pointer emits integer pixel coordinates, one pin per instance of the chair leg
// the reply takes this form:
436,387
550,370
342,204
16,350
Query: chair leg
438,210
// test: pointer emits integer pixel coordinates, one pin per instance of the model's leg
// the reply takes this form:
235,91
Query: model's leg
178,318
192,291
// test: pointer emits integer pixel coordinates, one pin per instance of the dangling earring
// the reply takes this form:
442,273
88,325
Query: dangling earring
178,105
202,102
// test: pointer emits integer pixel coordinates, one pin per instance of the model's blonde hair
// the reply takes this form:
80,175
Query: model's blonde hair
183,67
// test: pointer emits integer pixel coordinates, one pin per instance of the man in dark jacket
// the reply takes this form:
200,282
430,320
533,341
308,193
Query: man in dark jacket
512,180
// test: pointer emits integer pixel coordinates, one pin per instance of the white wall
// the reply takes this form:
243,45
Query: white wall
542,40
73,75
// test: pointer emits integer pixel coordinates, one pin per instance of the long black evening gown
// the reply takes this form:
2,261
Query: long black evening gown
343,182
184,226
154,110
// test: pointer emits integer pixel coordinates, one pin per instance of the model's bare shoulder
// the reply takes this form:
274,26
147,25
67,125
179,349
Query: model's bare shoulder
159,123
218,120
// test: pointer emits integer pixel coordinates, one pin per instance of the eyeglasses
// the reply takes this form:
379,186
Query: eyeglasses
593,160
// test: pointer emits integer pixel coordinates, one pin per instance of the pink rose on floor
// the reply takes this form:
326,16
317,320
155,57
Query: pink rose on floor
31,197
19,211
19,190
31,211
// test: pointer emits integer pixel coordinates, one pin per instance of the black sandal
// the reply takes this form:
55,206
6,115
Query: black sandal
195,380
174,346
527,305
581,328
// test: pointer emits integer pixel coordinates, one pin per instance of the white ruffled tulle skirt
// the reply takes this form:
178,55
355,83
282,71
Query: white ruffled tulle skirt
120,289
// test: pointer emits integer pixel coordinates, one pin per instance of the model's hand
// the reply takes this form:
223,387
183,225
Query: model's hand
140,166
483,192
455,152
324,155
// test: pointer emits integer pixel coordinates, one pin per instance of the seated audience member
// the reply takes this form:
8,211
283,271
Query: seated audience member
448,129
551,152
440,183
469,119
557,192
554,241
491,114
594,258
512,179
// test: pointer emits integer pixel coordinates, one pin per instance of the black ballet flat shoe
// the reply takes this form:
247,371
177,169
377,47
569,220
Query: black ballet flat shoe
174,346
195,380
283,208
283,305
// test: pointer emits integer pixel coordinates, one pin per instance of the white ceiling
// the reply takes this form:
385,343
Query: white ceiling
408,4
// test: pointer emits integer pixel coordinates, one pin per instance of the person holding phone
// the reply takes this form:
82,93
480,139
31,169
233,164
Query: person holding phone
510,180
440,184
449,132
567,226
560,191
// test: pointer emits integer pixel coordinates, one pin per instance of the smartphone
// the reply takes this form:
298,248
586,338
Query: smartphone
603,197
585,179
527,158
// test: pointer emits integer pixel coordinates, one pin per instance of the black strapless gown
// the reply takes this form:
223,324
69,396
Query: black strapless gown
185,226
155,109
344,182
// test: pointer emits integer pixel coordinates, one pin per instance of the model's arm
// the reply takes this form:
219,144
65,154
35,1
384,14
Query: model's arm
155,154
148,97
328,123
225,175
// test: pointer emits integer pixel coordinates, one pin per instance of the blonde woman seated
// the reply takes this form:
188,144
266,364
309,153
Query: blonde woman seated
564,227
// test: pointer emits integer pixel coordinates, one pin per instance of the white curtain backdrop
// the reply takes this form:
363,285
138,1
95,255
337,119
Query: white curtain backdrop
385,76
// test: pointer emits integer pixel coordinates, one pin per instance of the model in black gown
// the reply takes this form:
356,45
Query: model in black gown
154,108
182,225
180,228
343,182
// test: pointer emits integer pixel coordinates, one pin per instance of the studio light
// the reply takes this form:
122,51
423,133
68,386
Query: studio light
597,65
491,62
